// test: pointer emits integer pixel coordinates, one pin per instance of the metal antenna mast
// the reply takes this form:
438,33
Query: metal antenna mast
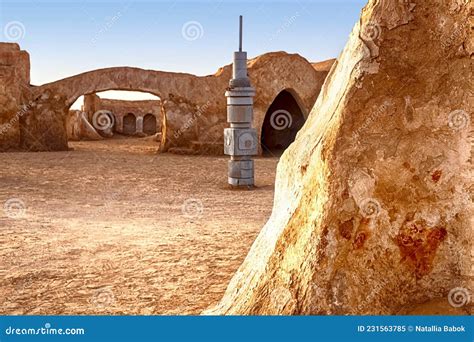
240,32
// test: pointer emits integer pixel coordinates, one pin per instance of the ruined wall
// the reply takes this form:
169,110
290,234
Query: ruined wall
14,86
140,109
373,210
43,127
91,104
194,108
79,127
119,108
200,128
76,128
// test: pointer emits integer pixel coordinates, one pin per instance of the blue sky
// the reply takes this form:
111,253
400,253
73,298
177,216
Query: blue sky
65,38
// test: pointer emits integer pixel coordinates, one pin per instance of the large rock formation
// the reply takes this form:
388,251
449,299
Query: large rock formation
372,206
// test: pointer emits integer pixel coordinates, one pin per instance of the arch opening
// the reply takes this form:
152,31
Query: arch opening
129,114
129,124
149,124
283,119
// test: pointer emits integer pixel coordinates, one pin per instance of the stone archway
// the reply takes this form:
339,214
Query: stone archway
188,100
129,124
149,124
284,118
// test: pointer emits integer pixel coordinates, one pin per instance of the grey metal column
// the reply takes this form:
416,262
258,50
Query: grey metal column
240,140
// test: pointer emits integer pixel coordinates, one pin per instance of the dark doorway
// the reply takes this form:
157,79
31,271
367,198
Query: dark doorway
129,124
149,124
282,121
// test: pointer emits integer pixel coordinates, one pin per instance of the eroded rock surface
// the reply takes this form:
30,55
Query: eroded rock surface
373,210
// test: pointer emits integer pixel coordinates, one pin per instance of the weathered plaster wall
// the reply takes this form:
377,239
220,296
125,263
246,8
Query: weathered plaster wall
188,100
120,108
14,87
79,127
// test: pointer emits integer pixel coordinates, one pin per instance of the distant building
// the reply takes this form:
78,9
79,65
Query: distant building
131,117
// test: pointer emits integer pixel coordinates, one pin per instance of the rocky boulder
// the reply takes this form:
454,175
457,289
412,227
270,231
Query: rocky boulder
373,208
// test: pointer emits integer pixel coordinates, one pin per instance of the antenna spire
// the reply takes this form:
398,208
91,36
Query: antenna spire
240,32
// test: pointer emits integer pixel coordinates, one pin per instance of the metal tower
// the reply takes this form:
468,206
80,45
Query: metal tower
240,140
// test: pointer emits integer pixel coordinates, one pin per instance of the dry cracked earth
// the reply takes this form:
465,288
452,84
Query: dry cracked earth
112,227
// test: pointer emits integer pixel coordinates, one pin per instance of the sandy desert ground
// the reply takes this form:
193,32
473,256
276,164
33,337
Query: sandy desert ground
114,228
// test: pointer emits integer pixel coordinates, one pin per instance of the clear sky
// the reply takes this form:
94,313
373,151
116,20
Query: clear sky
65,38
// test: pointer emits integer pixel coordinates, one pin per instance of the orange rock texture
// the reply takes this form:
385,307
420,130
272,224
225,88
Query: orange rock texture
373,200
